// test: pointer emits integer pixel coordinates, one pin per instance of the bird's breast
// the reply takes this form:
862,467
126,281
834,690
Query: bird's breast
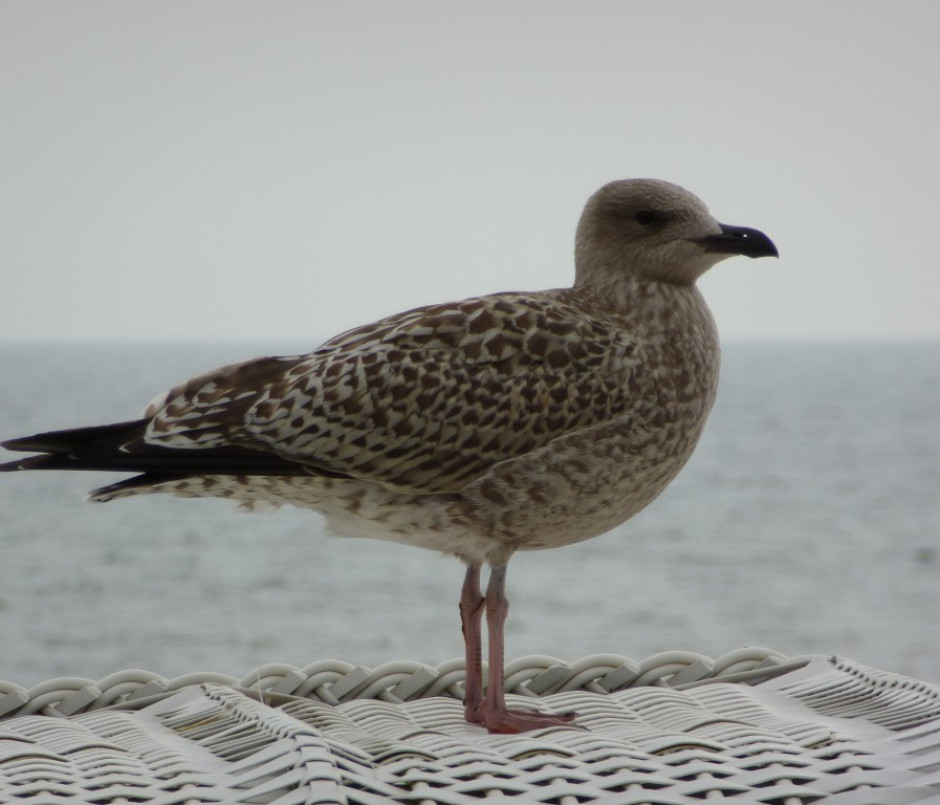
585,483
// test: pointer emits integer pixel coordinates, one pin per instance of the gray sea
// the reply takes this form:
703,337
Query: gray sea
808,522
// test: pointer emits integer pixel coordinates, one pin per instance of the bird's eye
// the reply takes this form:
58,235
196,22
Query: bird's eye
648,217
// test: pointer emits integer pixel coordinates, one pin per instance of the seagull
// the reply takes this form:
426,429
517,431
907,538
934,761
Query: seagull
478,428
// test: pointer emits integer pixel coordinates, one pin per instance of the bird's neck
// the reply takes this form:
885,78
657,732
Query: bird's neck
640,299
671,317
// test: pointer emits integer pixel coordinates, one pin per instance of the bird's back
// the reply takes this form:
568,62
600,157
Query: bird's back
426,401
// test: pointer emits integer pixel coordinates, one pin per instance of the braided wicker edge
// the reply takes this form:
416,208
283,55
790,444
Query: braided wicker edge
335,681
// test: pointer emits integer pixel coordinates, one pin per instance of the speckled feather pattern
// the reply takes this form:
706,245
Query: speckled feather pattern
501,422
425,401
481,427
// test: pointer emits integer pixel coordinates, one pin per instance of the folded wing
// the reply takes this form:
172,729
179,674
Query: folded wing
426,400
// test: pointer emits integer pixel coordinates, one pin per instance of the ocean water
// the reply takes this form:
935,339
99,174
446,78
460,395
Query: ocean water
808,521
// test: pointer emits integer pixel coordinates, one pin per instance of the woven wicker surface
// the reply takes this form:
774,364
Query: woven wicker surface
750,727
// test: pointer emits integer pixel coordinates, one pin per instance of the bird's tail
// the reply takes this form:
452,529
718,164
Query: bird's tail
94,448
122,447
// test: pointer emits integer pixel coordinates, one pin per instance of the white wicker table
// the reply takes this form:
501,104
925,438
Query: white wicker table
750,727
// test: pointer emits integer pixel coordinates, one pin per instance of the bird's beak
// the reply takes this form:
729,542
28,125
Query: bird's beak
740,240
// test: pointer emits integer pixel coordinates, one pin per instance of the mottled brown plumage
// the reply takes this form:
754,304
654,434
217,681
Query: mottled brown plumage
477,428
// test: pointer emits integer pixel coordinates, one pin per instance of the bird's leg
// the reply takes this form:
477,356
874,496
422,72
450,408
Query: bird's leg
471,618
495,716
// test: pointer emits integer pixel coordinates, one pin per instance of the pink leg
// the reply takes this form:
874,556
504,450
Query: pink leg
471,617
494,715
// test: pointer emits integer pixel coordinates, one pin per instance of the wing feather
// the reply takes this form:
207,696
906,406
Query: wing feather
426,400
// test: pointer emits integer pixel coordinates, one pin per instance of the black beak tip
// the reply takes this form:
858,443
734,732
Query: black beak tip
741,240
762,246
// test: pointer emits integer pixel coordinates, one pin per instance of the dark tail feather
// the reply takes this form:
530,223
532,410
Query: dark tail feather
63,441
121,448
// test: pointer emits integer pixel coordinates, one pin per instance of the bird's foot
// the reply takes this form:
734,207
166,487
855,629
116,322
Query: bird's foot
503,720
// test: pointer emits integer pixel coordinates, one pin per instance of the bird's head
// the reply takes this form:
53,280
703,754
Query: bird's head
656,231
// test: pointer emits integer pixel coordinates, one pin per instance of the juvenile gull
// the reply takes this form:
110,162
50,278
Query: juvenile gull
477,428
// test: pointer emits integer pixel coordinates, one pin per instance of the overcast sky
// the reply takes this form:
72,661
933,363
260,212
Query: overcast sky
285,170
